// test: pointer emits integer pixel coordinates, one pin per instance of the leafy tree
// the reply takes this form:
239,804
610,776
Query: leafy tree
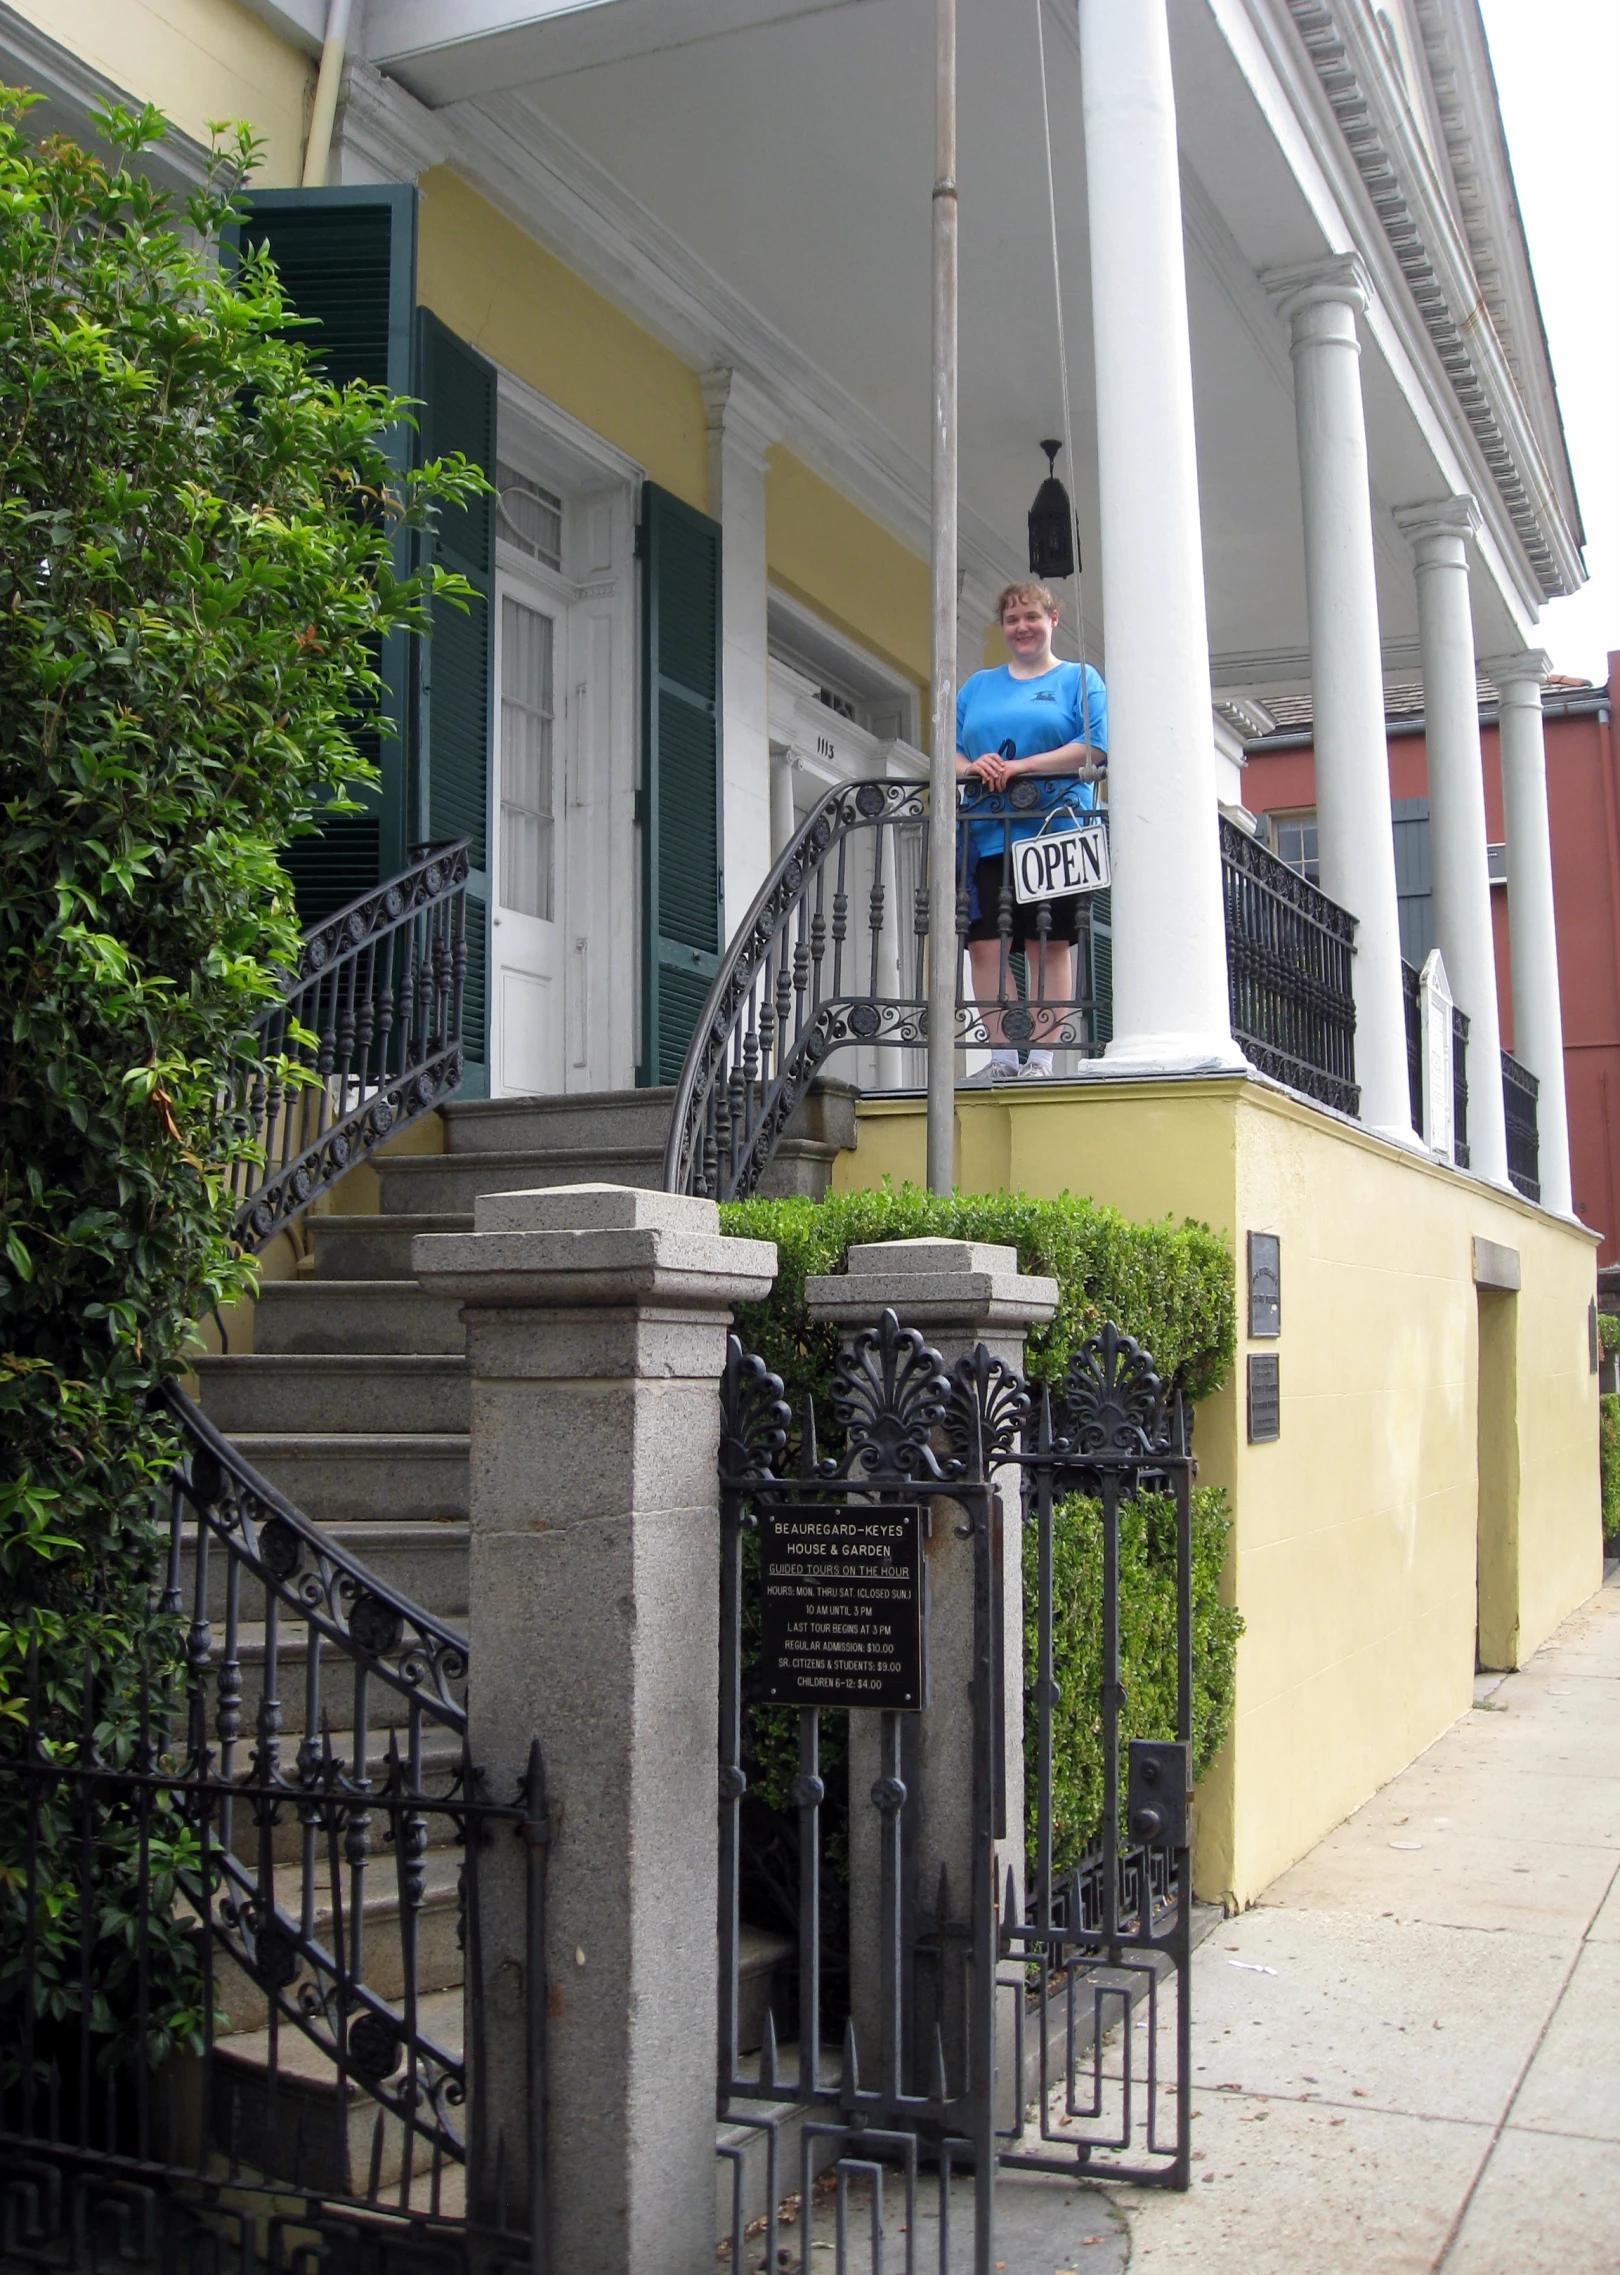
197,566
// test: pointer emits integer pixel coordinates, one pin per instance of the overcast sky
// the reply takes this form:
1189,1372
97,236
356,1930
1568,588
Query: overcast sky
1557,71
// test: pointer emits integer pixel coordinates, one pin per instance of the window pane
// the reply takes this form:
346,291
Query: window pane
530,516
526,773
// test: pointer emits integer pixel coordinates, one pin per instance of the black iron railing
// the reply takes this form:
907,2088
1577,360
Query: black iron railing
1289,952
1519,1093
329,1848
1459,1087
833,956
1412,1003
366,1037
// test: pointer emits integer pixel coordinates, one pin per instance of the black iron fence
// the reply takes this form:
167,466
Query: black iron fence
287,1898
833,957
366,1037
1519,1093
1289,952
1000,2022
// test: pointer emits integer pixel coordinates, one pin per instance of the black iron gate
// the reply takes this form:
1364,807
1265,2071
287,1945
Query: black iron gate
1032,2012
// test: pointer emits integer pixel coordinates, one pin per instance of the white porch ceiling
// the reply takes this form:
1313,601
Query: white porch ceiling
786,151
447,50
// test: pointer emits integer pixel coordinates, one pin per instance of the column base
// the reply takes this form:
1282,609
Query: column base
1169,1054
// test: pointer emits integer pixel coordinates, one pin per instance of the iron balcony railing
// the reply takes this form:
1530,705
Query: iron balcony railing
1288,966
365,1038
1519,1093
832,956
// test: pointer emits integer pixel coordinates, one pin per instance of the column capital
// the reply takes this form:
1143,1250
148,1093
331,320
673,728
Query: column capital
1437,529
1521,666
1341,278
741,414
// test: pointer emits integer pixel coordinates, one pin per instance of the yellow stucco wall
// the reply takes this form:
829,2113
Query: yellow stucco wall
836,559
198,60
1356,1535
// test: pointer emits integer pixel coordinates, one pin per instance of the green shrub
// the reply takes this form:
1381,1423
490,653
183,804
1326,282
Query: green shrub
1170,1286
1609,1466
196,568
1147,1650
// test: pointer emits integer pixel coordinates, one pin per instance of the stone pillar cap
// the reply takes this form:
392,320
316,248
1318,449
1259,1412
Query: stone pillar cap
565,1245
970,1282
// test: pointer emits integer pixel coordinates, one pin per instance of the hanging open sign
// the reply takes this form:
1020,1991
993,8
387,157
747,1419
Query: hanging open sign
1068,861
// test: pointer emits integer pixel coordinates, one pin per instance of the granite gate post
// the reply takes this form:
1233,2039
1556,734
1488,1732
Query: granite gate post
596,1324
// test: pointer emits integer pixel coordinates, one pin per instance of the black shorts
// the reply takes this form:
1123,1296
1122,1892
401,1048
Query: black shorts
1066,914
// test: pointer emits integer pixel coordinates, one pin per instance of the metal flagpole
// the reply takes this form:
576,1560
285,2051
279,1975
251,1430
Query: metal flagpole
943,953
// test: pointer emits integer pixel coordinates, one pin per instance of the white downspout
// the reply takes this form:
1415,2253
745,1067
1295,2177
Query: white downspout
318,150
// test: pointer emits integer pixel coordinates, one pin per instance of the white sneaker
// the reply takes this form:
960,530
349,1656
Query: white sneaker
1003,1071
1033,1073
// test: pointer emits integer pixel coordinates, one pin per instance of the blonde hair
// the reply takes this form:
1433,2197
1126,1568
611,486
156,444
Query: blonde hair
1025,590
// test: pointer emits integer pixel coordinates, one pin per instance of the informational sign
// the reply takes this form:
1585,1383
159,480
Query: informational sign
841,1600
1265,1284
1068,861
1265,1398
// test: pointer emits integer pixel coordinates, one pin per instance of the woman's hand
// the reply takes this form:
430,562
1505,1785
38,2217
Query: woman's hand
992,770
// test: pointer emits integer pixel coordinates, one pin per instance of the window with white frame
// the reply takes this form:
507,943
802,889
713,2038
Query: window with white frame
1293,839
527,808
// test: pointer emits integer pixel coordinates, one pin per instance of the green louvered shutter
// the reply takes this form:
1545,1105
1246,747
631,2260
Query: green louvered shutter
1100,938
682,881
455,688
347,259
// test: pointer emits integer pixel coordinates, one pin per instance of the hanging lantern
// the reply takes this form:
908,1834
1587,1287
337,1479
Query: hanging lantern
1051,524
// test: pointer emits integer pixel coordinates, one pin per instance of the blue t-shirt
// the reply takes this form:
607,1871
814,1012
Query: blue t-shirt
1068,704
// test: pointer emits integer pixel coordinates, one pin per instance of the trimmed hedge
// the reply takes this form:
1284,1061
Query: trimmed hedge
1609,1466
1171,1286
1147,1650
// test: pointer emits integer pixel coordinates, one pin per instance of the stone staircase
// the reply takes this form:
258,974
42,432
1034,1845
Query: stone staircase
354,1403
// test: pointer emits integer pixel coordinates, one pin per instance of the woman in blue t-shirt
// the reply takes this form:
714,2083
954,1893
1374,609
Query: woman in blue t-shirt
1033,716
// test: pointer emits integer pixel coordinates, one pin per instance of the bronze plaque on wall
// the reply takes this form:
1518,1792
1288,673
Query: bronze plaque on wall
1265,1284
1265,1398
841,1604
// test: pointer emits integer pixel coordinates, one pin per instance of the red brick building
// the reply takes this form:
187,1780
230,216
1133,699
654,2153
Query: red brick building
1583,799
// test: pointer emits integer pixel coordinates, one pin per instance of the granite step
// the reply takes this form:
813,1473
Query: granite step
361,1476
303,1317
425,1560
336,1390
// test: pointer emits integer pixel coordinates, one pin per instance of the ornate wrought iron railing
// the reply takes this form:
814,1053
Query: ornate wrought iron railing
325,1851
366,1037
1459,1087
832,957
1289,951
1519,1093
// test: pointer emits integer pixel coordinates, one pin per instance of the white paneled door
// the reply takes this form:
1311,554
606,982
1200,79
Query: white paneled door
529,1039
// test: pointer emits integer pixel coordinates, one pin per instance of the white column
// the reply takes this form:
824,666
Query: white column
1457,840
1170,992
1321,303
743,423
1538,1021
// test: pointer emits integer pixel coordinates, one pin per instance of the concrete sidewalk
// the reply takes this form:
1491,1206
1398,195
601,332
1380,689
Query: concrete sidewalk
1407,2055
